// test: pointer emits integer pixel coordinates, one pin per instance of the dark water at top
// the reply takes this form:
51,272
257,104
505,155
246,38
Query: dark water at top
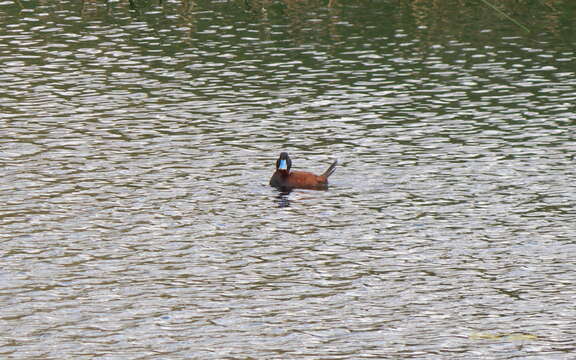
136,146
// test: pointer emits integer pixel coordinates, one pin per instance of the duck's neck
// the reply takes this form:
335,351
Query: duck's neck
283,173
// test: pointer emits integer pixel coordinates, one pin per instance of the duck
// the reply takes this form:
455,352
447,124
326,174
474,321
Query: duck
285,179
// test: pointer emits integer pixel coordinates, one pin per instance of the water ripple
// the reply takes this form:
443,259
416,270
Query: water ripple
137,220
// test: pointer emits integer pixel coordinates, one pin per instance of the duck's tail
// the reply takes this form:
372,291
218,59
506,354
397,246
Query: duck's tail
330,169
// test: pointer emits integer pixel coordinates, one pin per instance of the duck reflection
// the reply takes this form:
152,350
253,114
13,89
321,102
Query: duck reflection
283,199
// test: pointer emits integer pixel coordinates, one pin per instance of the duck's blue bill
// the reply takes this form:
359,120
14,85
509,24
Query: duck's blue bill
283,165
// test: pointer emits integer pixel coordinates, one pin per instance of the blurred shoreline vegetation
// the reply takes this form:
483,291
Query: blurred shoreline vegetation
428,19
526,17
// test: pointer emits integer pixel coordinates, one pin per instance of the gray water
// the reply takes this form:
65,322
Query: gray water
137,221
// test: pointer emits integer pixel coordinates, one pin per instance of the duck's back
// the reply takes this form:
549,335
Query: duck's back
305,180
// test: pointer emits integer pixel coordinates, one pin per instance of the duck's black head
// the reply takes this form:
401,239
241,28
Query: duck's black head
284,163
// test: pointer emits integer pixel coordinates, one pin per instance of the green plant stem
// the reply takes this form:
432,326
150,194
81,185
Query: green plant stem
506,16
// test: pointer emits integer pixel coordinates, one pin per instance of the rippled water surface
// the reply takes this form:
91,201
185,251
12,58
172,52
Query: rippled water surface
136,145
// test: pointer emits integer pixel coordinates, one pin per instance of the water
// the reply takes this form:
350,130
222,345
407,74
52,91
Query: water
137,220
